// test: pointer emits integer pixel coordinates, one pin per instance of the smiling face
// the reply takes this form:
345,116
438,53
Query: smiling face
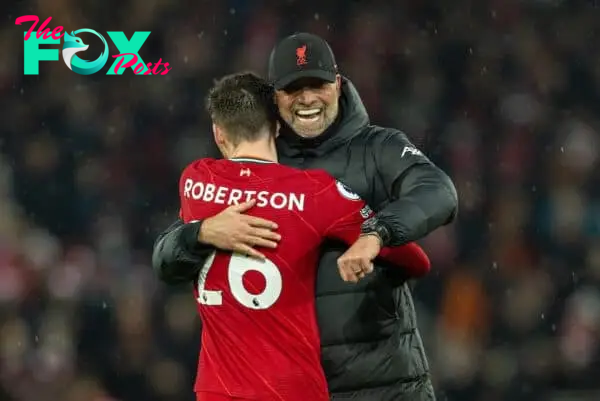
309,105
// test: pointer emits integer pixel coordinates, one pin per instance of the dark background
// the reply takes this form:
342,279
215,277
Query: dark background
503,94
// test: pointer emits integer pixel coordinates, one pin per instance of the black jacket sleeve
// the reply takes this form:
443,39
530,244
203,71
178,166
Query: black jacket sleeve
177,256
422,197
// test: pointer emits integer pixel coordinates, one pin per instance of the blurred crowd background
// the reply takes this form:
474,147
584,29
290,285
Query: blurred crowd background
502,94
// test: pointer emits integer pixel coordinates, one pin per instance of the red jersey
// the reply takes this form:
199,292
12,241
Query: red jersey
260,339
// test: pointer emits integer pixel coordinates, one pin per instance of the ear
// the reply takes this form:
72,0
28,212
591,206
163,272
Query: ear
218,134
277,128
220,140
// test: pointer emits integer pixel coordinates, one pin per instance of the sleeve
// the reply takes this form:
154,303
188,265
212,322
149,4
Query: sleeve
350,212
177,256
422,197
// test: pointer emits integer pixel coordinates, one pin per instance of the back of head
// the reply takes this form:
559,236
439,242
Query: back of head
243,105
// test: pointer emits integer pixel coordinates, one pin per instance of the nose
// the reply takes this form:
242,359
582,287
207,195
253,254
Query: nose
307,96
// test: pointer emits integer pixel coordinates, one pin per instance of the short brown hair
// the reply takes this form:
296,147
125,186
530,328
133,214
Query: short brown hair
244,105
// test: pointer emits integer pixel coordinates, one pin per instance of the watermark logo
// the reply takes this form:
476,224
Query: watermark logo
73,45
128,56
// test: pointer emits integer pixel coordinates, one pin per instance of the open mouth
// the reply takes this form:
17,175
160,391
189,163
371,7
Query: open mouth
309,115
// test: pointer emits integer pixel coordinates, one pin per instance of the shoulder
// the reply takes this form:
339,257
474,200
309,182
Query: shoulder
318,179
318,176
198,166
283,175
293,179
283,169
378,137
388,144
325,182
383,140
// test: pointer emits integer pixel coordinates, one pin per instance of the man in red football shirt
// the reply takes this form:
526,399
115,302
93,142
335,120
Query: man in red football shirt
260,339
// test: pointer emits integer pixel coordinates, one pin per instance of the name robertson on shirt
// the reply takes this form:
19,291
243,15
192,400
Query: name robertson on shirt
197,190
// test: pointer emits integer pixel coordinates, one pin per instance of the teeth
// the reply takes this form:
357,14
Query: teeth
308,113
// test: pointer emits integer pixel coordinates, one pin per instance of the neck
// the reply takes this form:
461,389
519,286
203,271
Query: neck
255,150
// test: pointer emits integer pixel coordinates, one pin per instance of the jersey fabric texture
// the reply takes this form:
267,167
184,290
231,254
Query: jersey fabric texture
260,338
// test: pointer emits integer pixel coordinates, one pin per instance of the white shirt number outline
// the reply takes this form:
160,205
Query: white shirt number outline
239,265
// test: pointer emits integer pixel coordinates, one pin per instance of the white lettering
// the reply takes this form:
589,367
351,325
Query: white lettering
262,199
278,201
296,201
221,194
186,187
211,193
411,150
249,195
197,190
234,197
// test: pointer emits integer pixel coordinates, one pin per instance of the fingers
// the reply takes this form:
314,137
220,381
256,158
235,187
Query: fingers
351,276
248,250
260,223
265,234
242,207
346,276
360,275
354,269
257,237
253,240
246,243
260,237
250,220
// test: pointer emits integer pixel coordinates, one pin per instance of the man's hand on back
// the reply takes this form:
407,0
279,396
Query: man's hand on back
234,231
357,261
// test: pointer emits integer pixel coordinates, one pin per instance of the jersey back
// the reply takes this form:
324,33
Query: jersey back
260,338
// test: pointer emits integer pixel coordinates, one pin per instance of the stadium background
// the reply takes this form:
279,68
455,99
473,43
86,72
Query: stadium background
504,95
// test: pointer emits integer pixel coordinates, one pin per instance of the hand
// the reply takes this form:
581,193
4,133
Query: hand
357,261
234,231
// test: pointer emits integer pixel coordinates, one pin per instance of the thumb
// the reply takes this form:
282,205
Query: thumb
242,207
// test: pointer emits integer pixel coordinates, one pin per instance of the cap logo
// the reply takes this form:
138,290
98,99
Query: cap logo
301,55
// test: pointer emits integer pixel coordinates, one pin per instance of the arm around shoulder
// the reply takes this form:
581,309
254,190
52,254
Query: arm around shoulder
177,256
422,196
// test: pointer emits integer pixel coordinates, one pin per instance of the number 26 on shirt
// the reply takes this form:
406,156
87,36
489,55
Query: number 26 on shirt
237,267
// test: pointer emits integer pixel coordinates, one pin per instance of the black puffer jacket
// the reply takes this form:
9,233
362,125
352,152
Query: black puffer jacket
371,347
